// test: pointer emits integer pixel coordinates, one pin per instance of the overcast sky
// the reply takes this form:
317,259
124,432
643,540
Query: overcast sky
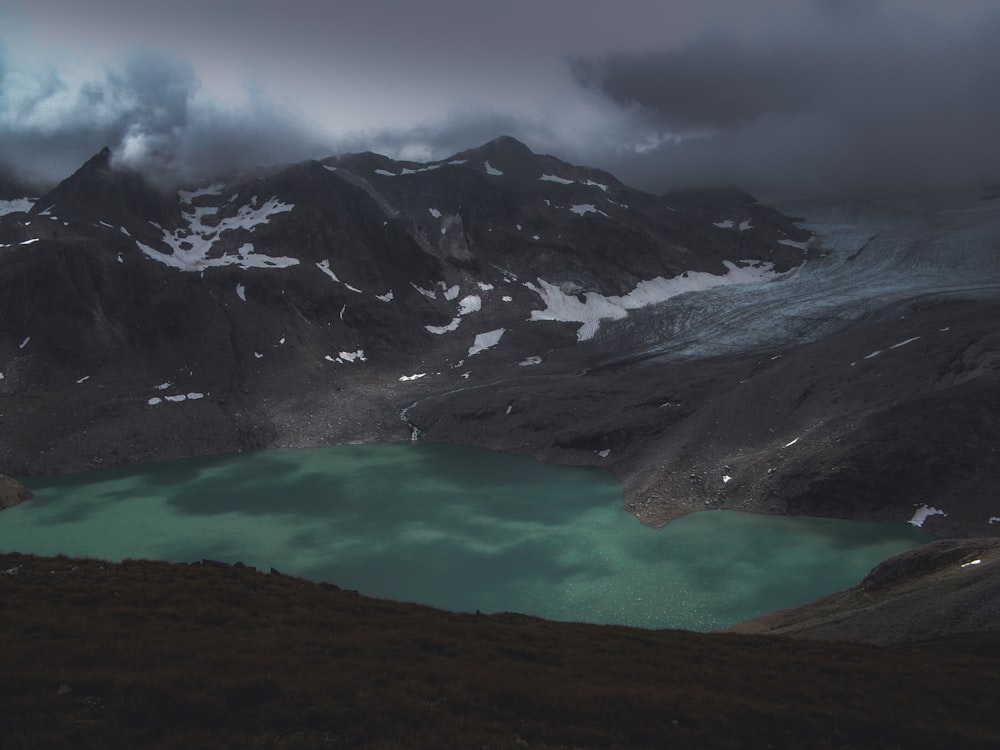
776,96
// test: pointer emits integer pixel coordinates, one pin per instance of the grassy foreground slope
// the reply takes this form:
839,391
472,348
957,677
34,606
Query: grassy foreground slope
158,655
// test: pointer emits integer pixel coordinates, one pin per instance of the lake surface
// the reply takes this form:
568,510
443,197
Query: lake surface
456,527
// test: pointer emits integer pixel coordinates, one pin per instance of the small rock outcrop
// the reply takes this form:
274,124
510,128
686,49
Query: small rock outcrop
12,492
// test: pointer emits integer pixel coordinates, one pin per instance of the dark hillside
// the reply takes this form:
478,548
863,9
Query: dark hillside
153,655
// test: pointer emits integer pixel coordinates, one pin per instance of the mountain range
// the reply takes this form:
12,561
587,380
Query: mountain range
497,297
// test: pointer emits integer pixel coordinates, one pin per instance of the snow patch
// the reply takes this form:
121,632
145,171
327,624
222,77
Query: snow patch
187,196
435,213
154,401
387,297
726,479
16,205
486,340
385,173
591,183
84,379
451,293
415,376
586,208
358,356
971,562
789,445
492,171
453,325
426,292
25,342
241,292
190,248
904,343
258,355
324,266
873,354
923,513
727,224
484,286
506,298
554,178
604,453
595,307
472,303
530,361
29,242
745,225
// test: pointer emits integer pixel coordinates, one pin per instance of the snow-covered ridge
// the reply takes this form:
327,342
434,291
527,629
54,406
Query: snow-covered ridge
190,248
595,307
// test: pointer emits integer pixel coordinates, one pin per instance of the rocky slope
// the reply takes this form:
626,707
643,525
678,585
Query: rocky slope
510,300
948,586
286,306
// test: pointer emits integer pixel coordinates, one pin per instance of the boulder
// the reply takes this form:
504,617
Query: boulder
12,492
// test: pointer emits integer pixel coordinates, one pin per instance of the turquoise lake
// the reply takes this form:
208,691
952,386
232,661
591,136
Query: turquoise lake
455,527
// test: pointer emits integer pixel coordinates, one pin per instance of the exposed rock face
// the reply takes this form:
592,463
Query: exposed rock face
12,492
284,307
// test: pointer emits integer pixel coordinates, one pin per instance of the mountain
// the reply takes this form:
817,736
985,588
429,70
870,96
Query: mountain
501,298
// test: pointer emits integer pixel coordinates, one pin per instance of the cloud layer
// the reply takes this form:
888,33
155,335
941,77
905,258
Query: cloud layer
149,110
864,100
777,96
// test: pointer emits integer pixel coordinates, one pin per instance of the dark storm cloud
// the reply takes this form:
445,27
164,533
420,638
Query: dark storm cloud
865,99
712,85
774,95
146,110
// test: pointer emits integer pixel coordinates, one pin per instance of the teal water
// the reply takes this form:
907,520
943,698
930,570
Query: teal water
455,527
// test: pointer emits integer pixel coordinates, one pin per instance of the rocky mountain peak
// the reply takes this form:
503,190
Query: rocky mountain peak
111,193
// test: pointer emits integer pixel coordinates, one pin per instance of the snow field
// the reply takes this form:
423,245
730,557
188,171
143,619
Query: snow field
200,237
568,308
